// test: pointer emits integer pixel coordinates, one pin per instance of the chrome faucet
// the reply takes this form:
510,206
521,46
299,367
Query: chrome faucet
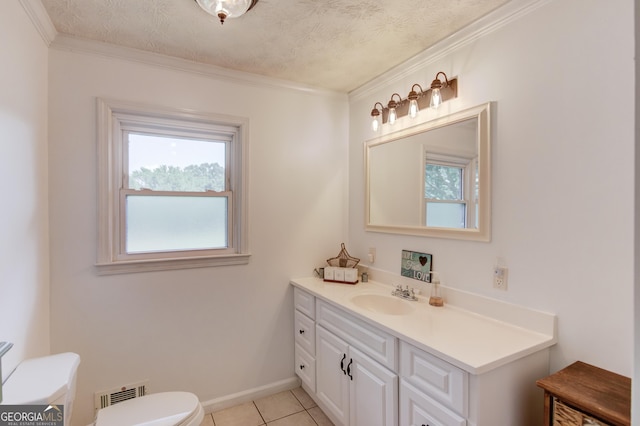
406,293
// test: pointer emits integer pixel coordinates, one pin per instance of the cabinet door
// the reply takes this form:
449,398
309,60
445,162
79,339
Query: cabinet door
418,409
373,392
332,383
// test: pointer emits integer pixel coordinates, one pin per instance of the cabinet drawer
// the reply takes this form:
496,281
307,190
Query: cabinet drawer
564,415
305,332
439,379
304,302
305,367
417,409
374,342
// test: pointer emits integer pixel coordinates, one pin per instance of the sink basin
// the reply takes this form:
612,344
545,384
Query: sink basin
382,304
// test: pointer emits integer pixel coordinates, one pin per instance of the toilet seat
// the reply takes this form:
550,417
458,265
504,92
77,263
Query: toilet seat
158,409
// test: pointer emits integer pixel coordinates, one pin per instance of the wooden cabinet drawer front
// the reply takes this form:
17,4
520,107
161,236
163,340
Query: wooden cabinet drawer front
564,415
374,342
418,409
439,379
305,332
305,367
304,302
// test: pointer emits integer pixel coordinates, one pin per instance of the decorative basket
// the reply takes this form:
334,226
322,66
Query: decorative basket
343,259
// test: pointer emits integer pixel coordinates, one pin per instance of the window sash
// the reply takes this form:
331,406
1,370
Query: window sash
123,254
464,214
186,135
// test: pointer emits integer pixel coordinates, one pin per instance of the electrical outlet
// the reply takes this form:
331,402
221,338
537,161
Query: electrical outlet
372,254
500,277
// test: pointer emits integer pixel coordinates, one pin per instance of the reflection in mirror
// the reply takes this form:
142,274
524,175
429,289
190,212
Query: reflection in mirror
432,179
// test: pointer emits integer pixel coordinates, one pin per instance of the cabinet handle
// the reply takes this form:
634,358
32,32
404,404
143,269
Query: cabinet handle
301,331
301,366
349,369
342,363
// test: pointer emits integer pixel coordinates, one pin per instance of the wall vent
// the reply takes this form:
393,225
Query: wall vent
123,393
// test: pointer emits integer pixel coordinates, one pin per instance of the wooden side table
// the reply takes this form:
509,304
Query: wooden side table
582,394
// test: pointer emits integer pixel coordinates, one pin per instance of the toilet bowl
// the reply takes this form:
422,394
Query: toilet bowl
51,380
156,409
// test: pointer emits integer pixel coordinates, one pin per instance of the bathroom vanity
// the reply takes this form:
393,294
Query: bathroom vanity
369,358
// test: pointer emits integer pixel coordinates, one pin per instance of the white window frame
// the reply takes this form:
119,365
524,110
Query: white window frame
469,170
115,119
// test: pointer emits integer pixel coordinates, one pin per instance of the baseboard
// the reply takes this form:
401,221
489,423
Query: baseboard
250,394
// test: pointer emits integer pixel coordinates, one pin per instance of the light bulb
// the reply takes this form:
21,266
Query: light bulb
436,99
391,106
375,123
375,117
413,108
392,116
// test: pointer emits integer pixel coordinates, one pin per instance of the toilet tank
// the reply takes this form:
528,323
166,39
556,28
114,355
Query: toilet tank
49,380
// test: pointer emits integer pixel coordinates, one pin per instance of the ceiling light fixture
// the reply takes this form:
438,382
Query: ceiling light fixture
415,101
224,9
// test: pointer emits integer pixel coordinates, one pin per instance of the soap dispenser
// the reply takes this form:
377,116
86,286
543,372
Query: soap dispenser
436,297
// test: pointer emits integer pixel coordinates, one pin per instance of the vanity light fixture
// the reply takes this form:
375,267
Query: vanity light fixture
392,105
376,114
224,9
415,101
436,85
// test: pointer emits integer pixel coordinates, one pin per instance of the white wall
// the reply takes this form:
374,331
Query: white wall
24,261
563,171
211,331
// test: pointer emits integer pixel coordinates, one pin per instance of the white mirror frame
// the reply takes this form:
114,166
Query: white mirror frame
483,232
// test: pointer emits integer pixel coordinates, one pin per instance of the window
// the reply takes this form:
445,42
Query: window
172,190
450,191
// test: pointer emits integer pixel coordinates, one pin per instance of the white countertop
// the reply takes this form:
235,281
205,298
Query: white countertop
475,342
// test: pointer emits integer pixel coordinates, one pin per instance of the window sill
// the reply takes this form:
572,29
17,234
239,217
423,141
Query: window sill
131,267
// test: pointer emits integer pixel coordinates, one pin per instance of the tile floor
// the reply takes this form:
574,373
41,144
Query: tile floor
288,408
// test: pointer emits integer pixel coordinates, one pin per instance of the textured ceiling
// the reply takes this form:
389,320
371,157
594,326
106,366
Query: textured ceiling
332,44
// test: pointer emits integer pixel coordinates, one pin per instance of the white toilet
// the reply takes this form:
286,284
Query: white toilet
52,380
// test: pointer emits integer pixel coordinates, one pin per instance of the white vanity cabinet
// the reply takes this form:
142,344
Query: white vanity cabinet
429,367
352,387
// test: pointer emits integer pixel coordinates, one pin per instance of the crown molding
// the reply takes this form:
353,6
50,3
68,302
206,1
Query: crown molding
69,43
40,19
491,22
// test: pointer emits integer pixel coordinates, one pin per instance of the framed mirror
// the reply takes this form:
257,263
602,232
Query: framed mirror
433,179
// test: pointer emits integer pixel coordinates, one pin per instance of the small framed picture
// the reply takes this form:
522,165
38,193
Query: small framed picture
416,265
